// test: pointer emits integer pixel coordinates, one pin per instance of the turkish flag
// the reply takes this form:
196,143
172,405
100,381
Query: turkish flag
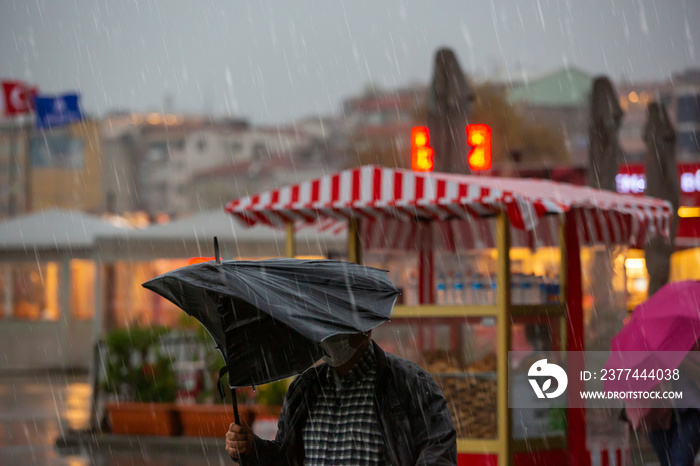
18,97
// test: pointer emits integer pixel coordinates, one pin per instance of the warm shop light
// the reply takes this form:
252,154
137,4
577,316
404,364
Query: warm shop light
421,152
479,137
199,260
688,212
154,119
633,97
635,263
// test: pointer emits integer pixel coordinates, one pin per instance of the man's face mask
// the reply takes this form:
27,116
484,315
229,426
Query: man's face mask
338,350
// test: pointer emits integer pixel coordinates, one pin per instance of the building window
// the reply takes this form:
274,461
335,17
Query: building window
689,109
236,147
689,142
30,291
82,291
57,151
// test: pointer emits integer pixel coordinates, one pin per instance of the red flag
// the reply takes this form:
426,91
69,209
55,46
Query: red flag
18,97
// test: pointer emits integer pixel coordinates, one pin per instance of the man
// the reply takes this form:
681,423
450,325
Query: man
363,406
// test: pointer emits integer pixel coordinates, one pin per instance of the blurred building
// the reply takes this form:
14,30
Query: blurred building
687,102
58,168
173,164
13,161
681,96
560,101
376,126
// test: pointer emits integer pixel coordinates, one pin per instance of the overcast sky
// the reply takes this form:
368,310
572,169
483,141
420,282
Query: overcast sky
275,61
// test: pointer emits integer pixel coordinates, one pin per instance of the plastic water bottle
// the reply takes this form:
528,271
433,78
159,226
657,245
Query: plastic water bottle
450,291
468,290
545,290
493,296
478,293
441,290
516,295
526,290
458,289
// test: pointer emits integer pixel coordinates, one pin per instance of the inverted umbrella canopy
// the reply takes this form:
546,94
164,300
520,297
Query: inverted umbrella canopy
269,317
661,332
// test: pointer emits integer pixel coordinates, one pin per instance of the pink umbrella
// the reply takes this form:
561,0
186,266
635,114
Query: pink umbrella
660,334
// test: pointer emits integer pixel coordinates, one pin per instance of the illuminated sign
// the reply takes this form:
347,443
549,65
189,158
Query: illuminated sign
631,183
478,138
421,153
636,183
690,182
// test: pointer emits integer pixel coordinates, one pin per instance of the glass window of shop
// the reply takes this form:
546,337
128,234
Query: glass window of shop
464,264
604,283
463,259
460,354
604,287
131,304
30,291
535,262
684,266
533,338
82,291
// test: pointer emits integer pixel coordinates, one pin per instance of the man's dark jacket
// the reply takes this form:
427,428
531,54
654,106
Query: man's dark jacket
410,407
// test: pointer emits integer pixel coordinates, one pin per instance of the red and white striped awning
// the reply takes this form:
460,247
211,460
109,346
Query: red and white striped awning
379,193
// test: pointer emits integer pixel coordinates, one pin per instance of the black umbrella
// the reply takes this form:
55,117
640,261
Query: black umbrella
269,317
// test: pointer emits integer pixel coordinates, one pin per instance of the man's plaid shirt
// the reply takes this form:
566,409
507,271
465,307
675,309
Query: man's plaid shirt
342,428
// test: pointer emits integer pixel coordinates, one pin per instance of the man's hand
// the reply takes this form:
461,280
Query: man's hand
239,440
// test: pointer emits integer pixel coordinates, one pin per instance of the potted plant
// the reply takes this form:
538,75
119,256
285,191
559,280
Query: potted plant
270,398
211,415
142,381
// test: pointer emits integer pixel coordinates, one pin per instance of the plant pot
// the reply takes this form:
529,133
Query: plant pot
211,420
144,418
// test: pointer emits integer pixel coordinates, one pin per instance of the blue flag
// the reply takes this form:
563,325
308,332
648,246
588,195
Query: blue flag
59,110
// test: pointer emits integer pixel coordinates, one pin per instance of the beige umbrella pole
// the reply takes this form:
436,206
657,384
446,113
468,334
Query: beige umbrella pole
449,102
608,305
605,152
662,183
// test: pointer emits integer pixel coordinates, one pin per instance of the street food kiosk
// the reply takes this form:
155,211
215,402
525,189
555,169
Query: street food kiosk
464,341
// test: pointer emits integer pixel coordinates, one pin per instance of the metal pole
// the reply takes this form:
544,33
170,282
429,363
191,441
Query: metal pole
354,248
576,417
505,430
290,245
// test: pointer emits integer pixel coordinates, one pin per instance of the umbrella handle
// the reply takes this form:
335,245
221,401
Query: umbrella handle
236,419
234,402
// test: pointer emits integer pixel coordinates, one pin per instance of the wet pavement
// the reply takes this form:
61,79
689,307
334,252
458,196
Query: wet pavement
38,408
